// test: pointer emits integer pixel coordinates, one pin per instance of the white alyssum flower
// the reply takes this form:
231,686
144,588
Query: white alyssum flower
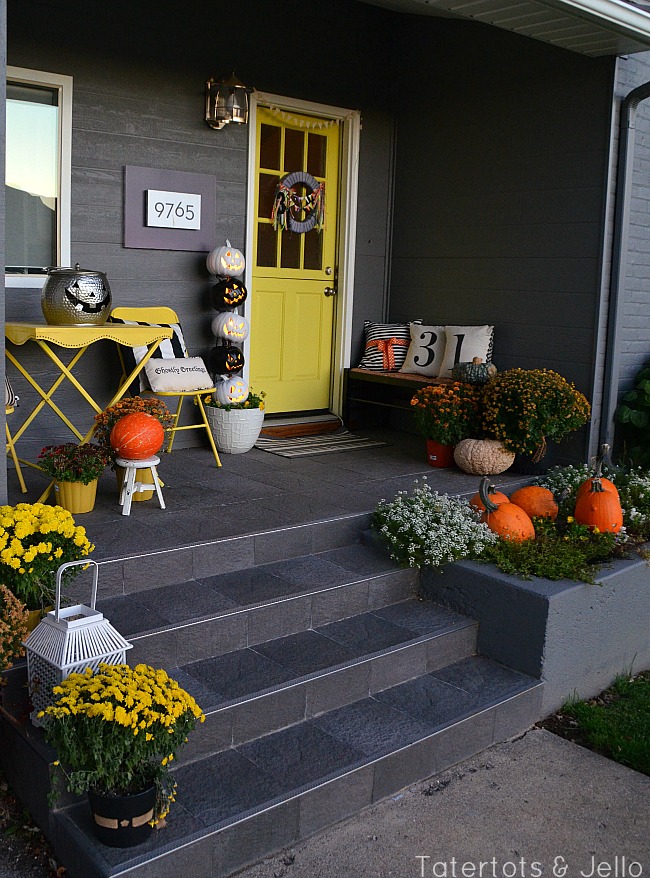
425,528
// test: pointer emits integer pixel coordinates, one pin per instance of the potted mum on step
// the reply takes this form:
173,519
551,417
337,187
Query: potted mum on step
35,539
75,470
116,731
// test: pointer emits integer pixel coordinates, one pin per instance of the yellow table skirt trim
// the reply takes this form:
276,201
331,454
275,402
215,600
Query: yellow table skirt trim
81,336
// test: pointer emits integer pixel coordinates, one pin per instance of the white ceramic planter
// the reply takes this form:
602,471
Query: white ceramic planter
235,431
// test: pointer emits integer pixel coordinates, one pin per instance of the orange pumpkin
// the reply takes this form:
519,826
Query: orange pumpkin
599,509
508,521
494,495
137,436
536,501
585,487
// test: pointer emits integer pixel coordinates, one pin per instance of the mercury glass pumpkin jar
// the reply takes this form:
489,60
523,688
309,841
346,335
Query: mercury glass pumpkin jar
76,297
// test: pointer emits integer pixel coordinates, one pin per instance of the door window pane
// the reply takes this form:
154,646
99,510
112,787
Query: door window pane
314,250
32,178
316,154
268,183
270,139
266,245
294,150
290,250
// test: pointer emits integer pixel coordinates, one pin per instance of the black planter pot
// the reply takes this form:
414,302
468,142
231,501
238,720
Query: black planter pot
525,466
123,821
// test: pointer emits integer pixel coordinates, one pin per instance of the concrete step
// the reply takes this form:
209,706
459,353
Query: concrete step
125,572
258,690
241,804
174,624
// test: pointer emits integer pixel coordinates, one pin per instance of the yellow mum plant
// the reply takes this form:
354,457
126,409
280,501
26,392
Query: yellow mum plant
35,540
116,730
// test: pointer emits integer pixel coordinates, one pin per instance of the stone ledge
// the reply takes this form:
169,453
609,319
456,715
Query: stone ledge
574,636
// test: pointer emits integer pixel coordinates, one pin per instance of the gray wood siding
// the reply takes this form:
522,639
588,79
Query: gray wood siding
138,100
634,70
502,156
3,72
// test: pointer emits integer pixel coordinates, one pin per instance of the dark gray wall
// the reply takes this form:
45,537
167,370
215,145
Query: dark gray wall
501,163
138,100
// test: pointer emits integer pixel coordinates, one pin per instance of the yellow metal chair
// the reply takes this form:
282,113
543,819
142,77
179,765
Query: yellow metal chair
175,347
10,406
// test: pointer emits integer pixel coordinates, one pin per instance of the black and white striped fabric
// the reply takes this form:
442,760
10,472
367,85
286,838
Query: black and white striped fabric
10,397
169,348
386,345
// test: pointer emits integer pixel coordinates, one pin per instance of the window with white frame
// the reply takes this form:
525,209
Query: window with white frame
37,175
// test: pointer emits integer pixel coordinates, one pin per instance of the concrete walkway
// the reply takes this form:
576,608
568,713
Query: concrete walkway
535,806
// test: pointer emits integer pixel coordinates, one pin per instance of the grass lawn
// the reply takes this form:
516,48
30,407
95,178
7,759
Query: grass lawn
616,723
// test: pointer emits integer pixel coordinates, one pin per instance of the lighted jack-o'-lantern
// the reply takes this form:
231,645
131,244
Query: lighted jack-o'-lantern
231,390
226,261
137,436
228,293
225,360
230,326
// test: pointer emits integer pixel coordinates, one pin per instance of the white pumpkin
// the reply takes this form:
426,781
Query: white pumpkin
226,261
231,326
483,457
231,390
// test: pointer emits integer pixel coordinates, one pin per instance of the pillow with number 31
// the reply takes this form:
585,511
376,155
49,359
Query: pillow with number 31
426,350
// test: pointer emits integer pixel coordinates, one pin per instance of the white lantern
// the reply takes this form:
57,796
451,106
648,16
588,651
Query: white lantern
67,641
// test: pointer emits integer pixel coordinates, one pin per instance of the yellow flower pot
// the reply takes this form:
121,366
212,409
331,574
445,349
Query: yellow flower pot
35,616
75,496
144,476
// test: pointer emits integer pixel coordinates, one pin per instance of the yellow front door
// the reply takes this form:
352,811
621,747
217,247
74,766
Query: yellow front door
294,272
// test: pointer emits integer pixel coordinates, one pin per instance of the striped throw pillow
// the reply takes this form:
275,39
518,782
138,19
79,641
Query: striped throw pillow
10,397
385,346
169,348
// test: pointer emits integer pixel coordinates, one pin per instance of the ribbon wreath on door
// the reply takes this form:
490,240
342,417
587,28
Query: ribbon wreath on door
289,205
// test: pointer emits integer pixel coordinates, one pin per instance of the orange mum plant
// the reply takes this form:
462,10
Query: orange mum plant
448,413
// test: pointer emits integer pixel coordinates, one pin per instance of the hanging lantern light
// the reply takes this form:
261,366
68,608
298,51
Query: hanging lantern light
226,100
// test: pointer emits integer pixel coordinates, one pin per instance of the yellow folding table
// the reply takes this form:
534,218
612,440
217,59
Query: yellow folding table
78,338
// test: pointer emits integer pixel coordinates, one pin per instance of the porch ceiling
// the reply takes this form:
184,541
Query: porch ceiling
590,27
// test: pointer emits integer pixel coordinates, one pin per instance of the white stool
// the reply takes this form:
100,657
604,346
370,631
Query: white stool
130,486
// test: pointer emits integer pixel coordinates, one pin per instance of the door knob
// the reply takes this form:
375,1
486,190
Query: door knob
329,291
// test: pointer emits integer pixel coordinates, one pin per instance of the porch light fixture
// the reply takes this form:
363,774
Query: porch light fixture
226,100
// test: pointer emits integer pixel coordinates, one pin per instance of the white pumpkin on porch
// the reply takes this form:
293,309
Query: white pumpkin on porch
226,261
231,326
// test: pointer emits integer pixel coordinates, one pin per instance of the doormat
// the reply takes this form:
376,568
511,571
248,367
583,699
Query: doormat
328,443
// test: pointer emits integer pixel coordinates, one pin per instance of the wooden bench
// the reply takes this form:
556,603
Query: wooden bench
387,391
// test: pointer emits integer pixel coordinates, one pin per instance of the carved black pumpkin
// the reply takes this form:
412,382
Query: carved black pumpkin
228,293
225,360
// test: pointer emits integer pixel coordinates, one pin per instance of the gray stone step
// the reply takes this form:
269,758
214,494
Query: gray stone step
253,799
175,624
127,571
258,690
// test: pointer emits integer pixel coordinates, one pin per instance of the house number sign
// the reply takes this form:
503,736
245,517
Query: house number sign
173,210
